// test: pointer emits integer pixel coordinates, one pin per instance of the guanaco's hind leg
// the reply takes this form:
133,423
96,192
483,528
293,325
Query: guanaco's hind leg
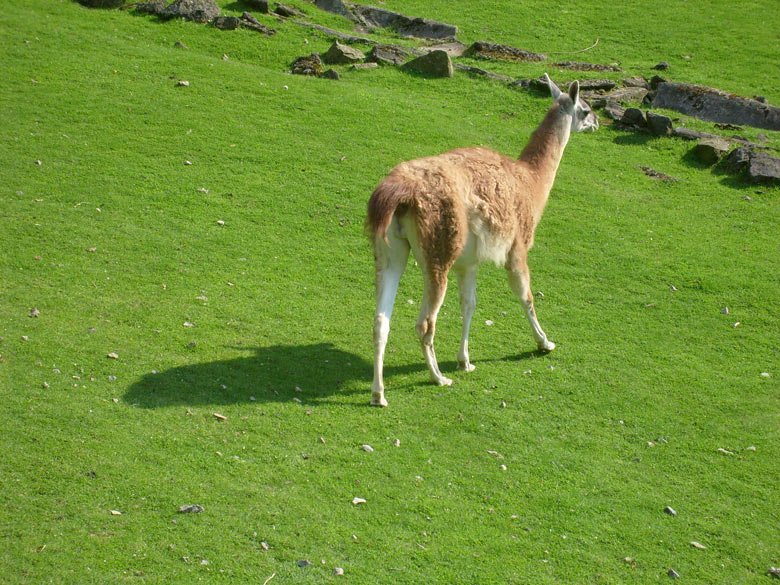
520,281
433,295
467,288
390,258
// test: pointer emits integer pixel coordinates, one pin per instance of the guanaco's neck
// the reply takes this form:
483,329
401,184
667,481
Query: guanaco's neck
542,155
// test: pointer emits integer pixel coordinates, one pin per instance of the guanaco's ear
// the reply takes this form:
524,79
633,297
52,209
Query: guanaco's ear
574,91
554,91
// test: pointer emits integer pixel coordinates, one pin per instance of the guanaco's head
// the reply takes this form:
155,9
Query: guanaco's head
582,117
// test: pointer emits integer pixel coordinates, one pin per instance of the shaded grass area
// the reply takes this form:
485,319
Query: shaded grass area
112,241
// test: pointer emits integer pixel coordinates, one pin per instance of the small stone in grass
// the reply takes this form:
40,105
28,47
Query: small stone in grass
356,501
116,513
397,442
488,322
766,375
182,83
698,545
304,563
338,571
724,311
190,509
774,572
219,416
321,440
725,451
367,448
503,467
188,324
264,545
220,222
35,312
673,574
669,510
113,355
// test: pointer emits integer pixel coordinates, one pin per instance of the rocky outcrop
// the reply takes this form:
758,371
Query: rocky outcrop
226,22
434,64
763,168
711,150
373,17
485,50
404,25
714,105
194,10
659,124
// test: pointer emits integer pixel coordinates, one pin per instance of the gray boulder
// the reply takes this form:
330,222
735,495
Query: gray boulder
155,7
763,168
389,54
287,11
434,64
634,117
596,84
259,5
636,81
627,95
614,111
659,124
488,50
339,54
226,22
714,105
711,150
194,10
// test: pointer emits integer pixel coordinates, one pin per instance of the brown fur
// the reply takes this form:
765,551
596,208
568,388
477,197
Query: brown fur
446,192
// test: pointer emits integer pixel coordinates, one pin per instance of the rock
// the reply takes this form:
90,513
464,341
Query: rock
453,48
763,168
614,111
388,54
287,11
336,7
182,83
669,510
711,150
714,105
367,448
688,134
538,85
194,10
597,85
339,54
636,81
259,5
356,501
487,50
226,22
653,174
655,81
101,3
774,572
190,509
627,95
659,124
311,65
364,66
483,73
154,7
250,22
405,25
576,66
180,45
673,574
435,64
736,162
634,117
304,563
331,74
662,66
338,571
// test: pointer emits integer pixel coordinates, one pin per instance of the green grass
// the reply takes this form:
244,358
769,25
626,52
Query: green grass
112,241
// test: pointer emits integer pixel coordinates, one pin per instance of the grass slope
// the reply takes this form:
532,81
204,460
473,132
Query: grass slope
112,240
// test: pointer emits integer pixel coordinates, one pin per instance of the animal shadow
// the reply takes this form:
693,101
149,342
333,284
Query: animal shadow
279,373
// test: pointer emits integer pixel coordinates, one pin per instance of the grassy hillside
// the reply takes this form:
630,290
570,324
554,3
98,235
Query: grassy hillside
130,316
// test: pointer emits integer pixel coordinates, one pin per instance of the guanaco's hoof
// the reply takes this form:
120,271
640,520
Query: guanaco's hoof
546,346
378,401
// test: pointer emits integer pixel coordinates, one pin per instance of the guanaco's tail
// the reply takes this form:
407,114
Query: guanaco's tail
390,196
